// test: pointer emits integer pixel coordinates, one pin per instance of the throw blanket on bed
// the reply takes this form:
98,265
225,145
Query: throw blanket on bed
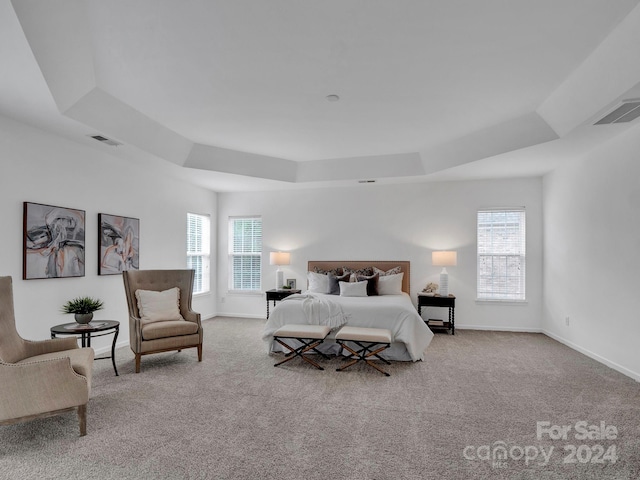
320,310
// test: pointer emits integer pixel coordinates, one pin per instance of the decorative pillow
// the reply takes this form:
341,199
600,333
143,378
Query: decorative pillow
372,283
390,284
353,289
318,282
367,271
159,306
334,285
393,271
335,271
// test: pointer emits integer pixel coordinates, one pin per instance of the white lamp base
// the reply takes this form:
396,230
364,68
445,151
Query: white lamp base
444,283
279,278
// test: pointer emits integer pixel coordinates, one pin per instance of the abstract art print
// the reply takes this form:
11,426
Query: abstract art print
53,245
118,244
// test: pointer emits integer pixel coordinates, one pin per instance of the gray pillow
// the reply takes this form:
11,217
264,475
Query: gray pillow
334,285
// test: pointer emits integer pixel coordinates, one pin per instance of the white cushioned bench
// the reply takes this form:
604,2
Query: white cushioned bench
371,341
309,336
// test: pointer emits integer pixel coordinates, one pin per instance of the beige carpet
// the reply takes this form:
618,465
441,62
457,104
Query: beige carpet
235,416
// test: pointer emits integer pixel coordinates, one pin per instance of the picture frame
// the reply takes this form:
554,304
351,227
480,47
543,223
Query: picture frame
53,242
291,283
118,244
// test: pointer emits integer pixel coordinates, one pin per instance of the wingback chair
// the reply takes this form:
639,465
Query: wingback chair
40,378
160,314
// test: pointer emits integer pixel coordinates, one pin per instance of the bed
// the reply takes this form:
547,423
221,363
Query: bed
391,309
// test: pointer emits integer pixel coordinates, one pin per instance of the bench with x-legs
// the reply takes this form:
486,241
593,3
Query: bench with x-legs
370,341
305,338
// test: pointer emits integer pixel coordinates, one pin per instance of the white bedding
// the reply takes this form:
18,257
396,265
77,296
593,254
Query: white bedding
394,312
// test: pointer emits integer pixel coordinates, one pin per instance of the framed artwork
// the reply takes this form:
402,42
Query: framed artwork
291,283
118,244
53,242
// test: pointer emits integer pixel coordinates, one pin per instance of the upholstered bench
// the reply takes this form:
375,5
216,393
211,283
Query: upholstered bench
308,336
371,341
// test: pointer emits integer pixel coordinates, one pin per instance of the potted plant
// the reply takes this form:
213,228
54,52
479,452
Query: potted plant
83,308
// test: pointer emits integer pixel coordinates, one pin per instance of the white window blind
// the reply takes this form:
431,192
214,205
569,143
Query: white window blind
198,250
245,253
501,254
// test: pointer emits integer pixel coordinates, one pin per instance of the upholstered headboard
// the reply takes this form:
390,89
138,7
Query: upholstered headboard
385,265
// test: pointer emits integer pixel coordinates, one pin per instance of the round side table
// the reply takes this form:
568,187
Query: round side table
95,328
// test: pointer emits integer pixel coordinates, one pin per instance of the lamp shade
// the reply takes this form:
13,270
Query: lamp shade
279,258
444,258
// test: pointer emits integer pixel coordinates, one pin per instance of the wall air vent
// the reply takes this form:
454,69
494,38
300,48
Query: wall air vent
106,140
366,181
628,111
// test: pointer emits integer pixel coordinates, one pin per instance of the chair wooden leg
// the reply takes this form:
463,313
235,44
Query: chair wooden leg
200,352
138,357
82,419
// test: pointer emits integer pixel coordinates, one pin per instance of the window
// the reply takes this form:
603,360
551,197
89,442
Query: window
501,254
198,247
245,253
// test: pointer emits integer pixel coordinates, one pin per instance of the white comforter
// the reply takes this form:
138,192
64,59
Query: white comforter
394,312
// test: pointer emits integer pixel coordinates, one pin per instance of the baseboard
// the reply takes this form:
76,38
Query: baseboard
595,356
107,349
240,315
498,329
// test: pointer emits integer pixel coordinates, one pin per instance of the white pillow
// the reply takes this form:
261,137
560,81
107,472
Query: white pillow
159,306
353,289
390,284
318,282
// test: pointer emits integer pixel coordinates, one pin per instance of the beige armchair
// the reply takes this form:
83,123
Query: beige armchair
158,321
40,378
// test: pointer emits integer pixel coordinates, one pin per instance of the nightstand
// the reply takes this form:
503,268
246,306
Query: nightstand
438,301
278,294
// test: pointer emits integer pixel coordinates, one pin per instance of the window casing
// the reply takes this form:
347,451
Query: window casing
198,250
245,254
501,254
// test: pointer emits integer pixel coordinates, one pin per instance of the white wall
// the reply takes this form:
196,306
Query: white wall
389,222
42,168
591,237
592,254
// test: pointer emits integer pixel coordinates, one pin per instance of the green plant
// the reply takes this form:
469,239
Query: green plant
82,305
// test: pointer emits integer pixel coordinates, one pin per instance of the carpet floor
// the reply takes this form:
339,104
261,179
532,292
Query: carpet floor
482,405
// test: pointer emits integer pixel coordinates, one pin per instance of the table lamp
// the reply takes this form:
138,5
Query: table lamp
444,259
279,258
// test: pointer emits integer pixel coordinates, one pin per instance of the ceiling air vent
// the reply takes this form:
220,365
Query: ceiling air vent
366,181
106,140
628,111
